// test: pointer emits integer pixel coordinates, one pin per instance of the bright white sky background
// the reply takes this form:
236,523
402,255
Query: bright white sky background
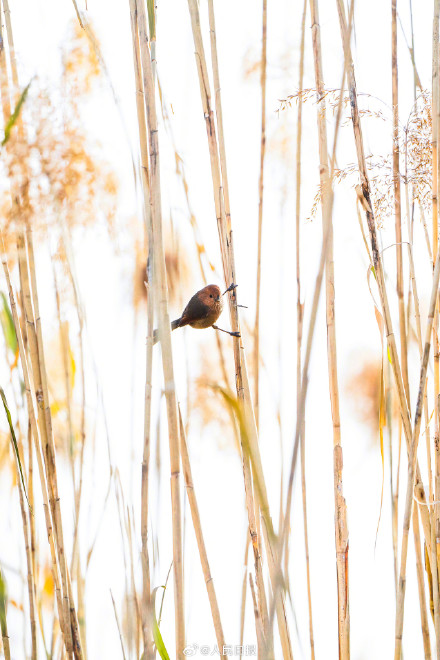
105,281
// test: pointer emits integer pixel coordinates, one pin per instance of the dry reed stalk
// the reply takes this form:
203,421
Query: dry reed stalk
421,586
341,528
161,298
300,322
419,565
30,486
221,200
412,461
312,324
38,448
40,384
38,389
143,142
4,621
435,190
49,455
263,77
258,624
27,518
243,592
118,626
254,521
195,515
397,201
365,197
365,192
26,514
271,543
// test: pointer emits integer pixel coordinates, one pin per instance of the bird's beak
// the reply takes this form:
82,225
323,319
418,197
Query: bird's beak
217,299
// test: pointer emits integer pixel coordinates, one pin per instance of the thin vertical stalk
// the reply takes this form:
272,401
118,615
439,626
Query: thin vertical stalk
263,77
435,177
3,620
161,298
412,462
143,141
300,322
209,582
217,154
341,528
364,193
26,514
30,297
421,585
397,201
38,448
435,338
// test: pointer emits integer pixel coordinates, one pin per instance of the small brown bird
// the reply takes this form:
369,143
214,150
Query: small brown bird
202,311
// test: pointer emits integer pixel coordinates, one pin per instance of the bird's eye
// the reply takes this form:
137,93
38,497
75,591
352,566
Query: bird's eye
210,295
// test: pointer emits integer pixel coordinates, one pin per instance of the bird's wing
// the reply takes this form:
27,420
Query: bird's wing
194,311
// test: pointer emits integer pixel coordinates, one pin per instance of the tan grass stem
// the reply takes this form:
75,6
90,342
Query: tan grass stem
300,322
397,200
341,528
161,298
412,461
218,169
195,515
144,163
263,77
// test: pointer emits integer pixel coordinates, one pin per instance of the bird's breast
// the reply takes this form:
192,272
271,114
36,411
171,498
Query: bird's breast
214,312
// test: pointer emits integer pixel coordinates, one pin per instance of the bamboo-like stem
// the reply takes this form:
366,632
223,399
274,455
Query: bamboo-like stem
161,297
38,448
26,514
365,196
263,77
258,624
412,462
435,337
221,199
419,565
4,627
30,297
421,586
49,455
218,162
186,466
327,211
341,528
243,592
143,141
300,322
397,201
41,417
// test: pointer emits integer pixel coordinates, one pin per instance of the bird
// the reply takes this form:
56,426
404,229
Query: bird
202,311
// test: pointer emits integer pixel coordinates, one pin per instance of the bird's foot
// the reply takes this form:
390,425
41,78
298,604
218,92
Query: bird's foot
233,334
231,287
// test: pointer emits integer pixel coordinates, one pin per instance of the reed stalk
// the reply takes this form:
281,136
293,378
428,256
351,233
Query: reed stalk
300,322
397,201
144,164
161,298
3,618
37,444
412,461
341,527
221,200
263,77
195,515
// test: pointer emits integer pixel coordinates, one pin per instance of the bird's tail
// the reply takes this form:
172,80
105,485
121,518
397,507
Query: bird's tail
174,324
